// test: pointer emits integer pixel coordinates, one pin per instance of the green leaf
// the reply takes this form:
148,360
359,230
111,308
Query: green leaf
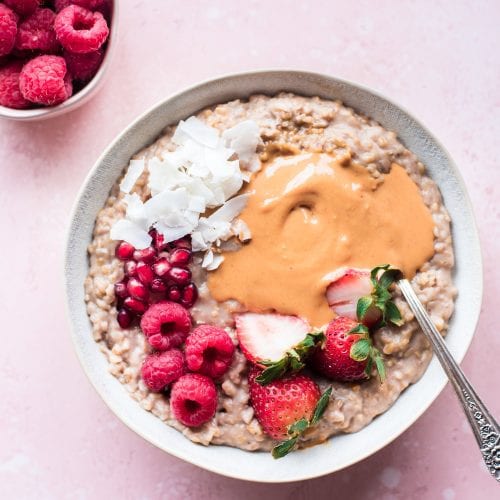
389,277
298,427
274,370
360,350
364,303
359,330
321,406
283,448
375,271
379,363
368,368
393,314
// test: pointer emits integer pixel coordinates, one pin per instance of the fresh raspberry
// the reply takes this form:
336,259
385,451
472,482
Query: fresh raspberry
37,32
8,30
79,30
166,325
43,80
10,94
209,350
193,399
87,4
23,7
163,368
83,66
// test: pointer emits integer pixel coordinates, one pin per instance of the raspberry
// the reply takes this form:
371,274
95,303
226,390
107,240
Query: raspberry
166,325
161,369
83,66
87,4
79,30
37,32
193,399
8,30
23,7
43,80
10,94
209,350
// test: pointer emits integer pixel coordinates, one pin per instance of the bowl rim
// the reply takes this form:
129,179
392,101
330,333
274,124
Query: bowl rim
438,385
82,96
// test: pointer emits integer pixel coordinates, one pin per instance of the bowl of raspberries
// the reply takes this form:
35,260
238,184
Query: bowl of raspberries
53,54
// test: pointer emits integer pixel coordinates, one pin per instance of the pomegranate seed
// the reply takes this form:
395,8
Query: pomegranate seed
158,240
189,295
124,318
147,255
144,273
180,257
158,285
174,293
182,243
179,275
124,250
137,289
121,289
130,268
137,306
161,267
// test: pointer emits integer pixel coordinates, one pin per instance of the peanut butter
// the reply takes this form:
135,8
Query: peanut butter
309,216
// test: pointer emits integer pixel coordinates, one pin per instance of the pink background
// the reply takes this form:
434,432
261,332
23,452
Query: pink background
439,59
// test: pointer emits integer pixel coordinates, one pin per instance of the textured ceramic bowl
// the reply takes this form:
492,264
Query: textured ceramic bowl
339,451
80,97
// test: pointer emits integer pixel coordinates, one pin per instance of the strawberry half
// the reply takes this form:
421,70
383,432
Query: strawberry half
285,408
279,343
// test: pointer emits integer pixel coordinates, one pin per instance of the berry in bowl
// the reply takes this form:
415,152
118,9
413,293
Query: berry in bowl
52,54
240,277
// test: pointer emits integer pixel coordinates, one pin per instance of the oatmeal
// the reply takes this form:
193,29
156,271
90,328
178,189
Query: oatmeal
290,126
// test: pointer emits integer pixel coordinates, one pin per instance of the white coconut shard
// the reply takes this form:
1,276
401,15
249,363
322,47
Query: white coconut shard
134,171
204,171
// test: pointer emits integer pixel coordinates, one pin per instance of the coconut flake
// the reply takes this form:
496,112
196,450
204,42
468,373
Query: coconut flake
136,211
126,230
241,230
216,262
229,210
244,139
135,169
207,259
197,242
195,129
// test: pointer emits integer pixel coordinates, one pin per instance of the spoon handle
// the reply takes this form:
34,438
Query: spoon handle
485,427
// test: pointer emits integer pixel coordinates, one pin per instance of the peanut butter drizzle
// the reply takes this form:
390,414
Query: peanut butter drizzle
309,216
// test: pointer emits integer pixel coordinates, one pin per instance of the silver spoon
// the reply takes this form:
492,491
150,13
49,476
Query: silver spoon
485,427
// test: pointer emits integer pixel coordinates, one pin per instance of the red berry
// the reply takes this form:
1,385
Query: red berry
79,30
130,268
179,275
83,66
282,402
121,289
180,257
182,243
23,7
161,267
43,80
174,293
8,30
166,325
144,273
163,368
135,305
158,285
193,399
189,295
334,360
137,289
87,4
36,32
124,250
124,318
158,240
147,255
209,350
10,93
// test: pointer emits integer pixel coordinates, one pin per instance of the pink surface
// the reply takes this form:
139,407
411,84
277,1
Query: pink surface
438,59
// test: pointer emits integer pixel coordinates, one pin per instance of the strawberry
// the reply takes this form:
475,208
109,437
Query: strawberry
364,295
347,353
280,343
285,408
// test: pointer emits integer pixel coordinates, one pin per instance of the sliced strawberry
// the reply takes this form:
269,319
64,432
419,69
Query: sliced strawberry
279,343
346,289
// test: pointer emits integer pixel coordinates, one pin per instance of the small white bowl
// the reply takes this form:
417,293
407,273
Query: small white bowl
82,96
340,451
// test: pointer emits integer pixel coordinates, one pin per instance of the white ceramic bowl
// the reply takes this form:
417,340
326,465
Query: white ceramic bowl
81,96
340,451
